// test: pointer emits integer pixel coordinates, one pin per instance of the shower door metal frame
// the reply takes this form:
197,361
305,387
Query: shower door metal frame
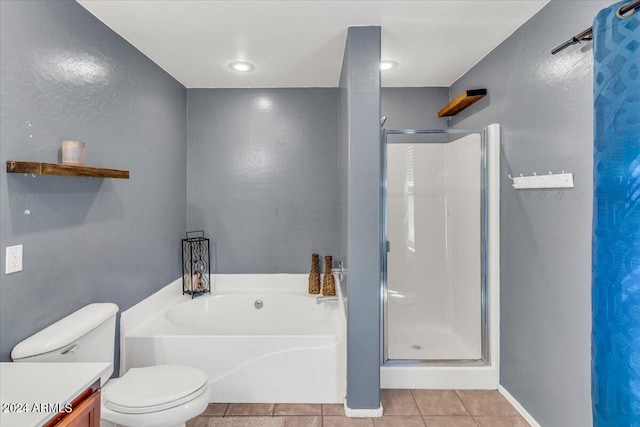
484,227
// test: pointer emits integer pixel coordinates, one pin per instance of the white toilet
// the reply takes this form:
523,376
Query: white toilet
155,396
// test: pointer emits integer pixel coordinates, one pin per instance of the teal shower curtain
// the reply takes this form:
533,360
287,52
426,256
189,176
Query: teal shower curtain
616,221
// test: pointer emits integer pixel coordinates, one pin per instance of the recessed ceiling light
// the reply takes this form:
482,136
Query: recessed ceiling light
241,66
388,65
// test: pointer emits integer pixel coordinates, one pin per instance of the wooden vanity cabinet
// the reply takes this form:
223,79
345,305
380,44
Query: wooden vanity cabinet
85,410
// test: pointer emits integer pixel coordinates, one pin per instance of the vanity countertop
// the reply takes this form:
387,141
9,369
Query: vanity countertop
30,392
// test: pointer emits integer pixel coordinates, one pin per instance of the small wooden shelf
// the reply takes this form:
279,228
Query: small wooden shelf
38,168
462,101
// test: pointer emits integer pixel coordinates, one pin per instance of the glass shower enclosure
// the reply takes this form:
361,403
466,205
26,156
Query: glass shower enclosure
434,292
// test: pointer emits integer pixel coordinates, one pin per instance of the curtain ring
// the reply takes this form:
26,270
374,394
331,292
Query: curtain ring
629,13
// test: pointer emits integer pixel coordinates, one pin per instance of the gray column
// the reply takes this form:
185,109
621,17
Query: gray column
359,211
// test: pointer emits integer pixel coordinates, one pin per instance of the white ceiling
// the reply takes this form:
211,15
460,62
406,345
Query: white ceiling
299,43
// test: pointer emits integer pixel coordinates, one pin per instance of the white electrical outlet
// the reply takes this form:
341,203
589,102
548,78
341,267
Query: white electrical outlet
13,262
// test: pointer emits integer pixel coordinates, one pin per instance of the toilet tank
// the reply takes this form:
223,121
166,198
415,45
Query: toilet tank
87,335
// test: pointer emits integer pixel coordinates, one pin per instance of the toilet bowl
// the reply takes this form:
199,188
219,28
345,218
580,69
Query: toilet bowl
154,396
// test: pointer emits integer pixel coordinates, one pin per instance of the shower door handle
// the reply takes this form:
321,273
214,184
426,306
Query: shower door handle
388,246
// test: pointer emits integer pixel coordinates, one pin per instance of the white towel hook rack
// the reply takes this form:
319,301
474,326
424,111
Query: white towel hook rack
535,181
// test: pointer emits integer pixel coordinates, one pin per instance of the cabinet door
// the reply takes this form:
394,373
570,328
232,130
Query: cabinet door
86,414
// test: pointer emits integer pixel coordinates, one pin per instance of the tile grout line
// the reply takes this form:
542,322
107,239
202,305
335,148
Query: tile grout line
485,415
473,418
417,406
415,402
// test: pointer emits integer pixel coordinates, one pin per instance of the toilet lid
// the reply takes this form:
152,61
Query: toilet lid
154,388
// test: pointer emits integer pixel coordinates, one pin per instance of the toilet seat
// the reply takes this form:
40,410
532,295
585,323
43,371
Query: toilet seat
154,389
172,417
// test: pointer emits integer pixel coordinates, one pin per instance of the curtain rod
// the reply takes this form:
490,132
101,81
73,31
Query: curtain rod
588,33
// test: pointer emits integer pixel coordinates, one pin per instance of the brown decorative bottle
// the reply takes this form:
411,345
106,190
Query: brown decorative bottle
328,281
314,275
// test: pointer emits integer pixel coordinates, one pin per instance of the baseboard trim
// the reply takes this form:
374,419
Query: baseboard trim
362,413
527,416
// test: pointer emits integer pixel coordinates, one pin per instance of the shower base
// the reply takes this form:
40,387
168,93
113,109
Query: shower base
426,342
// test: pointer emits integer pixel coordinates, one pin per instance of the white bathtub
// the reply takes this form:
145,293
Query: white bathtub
291,350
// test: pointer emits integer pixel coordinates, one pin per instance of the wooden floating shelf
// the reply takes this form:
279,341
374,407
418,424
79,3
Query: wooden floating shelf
38,168
462,101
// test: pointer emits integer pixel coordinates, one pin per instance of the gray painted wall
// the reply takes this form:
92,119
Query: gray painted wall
90,240
414,107
544,104
360,155
65,75
262,176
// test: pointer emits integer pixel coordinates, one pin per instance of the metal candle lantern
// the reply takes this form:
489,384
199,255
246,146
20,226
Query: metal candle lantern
196,262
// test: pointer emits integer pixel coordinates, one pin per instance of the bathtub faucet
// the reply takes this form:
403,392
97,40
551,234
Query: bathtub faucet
339,270
320,300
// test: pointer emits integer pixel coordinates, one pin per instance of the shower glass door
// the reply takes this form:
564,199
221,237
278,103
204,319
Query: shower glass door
435,224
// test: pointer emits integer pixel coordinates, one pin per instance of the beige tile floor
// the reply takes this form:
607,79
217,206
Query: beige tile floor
402,408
